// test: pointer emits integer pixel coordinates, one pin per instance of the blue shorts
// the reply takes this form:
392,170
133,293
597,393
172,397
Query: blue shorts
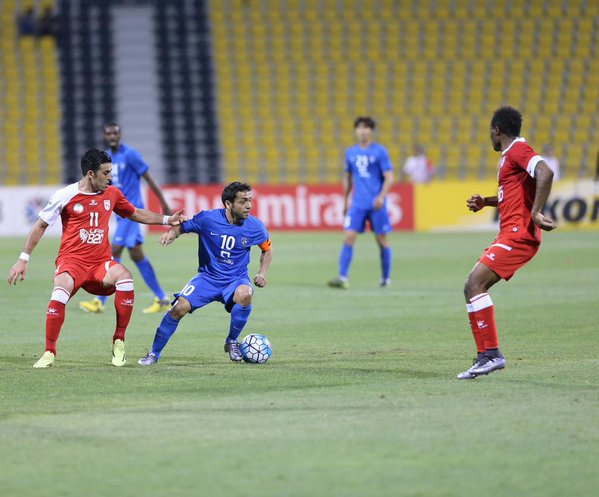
355,220
202,290
128,233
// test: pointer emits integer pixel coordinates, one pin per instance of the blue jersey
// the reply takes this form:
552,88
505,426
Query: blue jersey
127,169
367,166
224,248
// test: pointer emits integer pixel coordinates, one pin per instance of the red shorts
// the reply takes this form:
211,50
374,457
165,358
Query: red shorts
505,256
88,277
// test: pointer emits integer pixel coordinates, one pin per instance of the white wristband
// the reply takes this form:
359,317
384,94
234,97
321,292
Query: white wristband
24,256
165,220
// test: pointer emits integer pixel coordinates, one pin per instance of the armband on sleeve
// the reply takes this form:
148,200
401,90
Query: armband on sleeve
266,246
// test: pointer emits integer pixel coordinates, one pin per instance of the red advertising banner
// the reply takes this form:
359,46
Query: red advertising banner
288,207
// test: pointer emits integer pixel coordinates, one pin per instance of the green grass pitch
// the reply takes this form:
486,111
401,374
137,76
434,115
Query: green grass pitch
359,398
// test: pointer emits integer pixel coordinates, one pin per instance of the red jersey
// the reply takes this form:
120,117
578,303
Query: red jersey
516,193
85,218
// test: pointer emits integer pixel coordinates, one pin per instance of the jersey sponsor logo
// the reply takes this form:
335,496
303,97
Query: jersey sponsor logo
78,208
91,237
107,205
93,202
213,234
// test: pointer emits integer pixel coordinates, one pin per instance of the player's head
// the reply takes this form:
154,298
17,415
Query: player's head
506,122
237,199
364,127
112,135
96,166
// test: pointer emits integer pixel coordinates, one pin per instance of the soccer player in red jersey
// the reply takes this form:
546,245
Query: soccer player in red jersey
84,259
524,185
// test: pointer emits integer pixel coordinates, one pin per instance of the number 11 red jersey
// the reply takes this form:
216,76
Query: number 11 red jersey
85,218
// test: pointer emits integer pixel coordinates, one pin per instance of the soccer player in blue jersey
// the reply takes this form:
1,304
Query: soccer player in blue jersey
369,172
128,167
225,237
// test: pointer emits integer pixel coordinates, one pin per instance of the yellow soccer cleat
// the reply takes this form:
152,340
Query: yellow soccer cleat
119,357
157,306
94,306
46,361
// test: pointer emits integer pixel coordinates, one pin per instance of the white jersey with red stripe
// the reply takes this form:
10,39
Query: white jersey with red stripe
85,218
517,187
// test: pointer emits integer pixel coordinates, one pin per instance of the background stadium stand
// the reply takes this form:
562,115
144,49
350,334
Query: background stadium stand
266,90
293,75
30,145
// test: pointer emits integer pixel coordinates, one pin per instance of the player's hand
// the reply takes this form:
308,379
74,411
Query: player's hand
17,272
378,203
177,218
167,238
260,280
475,203
543,222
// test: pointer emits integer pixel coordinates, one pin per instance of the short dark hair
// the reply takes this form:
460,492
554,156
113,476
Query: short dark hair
230,191
366,121
508,120
92,159
111,124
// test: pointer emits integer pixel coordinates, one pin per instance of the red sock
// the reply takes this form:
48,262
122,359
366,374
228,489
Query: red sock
476,333
54,320
484,312
123,303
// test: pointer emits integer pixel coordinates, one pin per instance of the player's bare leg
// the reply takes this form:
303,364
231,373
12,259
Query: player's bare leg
63,288
345,257
124,298
240,314
481,313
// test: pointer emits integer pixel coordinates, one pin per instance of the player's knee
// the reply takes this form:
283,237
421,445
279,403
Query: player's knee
181,307
243,295
350,238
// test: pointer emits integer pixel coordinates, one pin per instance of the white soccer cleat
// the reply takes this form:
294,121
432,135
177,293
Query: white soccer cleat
46,361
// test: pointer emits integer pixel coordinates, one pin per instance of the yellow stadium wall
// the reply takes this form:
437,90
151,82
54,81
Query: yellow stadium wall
439,207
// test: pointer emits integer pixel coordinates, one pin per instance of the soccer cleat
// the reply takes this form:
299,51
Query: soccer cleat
467,375
157,306
46,361
233,349
148,360
93,306
385,283
338,283
119,357
488,365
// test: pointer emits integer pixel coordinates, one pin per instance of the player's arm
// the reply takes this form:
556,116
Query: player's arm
347,186
154,187
385,189
170,236
265,260
544,179
145,216
19,270
477,202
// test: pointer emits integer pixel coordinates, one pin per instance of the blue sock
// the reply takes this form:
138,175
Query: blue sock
164,332
386,262
239,317
104,297
149,276
347,252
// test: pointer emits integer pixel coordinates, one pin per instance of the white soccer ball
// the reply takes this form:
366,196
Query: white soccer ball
255,349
